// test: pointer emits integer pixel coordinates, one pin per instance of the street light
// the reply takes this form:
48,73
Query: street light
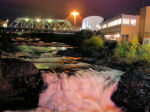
75,14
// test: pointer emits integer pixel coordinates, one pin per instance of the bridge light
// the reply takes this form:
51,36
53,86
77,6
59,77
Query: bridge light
38,20
49,20
26,19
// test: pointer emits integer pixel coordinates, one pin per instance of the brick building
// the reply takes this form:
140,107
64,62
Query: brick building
125,27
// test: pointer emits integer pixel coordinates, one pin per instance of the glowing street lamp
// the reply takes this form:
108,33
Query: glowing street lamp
75,14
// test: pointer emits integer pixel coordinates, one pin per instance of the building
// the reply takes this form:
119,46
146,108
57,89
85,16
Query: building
92,22
145,24
3,23
125,27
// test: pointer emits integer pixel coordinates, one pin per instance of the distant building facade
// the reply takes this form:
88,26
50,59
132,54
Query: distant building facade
3,23
125,27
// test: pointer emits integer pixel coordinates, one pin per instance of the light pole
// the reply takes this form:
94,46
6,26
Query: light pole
75,14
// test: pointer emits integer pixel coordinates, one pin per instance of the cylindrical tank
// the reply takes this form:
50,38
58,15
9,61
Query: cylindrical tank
92,22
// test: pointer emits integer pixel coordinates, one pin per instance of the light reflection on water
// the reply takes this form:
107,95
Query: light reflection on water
83,92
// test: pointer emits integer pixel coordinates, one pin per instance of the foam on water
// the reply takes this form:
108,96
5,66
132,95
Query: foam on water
86,91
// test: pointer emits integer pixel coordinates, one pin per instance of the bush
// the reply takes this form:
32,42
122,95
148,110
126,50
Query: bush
94,43
144,52
120,50
110,47
81,36
131,55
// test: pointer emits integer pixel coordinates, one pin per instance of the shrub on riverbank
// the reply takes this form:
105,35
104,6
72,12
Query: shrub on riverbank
93,46
94,43
120,50
144,52
133,52
81,36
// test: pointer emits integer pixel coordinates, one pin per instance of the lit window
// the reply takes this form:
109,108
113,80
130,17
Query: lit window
126,21
104,26
100,27
107,36
119,21
117,35
133,21
109,24
112,23
115,22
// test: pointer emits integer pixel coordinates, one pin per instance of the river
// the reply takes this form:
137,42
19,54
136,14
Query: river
72,85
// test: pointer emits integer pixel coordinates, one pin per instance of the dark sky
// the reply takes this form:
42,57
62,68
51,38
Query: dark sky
62,8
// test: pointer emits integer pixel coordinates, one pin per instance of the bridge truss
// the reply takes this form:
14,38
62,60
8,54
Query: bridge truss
42,24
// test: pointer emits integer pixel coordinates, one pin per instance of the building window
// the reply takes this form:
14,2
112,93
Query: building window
126,20
146,41
115,22
112,23
109,24
100,27
119,21
125,37
133,21
104,26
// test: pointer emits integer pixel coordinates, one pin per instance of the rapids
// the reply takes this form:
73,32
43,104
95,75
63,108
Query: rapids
86,91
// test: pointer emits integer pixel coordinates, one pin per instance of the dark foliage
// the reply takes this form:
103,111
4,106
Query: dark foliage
79,37
4,41
110,47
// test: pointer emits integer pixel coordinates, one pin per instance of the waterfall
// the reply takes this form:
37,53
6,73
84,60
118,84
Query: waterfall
85,91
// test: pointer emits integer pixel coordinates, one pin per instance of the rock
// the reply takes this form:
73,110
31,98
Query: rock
7,55
20,84
4,41
133,91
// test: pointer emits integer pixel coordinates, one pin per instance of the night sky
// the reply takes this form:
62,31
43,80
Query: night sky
61,8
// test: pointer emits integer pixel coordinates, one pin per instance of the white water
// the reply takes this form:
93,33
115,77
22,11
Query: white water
86,91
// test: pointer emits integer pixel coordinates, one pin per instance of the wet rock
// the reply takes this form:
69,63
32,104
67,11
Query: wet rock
5,54
133,91
4,41
20,84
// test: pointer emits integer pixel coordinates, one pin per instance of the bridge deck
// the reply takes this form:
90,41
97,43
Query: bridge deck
30,30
